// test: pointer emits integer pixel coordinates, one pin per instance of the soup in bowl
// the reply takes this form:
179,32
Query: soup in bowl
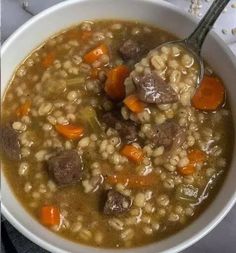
109,143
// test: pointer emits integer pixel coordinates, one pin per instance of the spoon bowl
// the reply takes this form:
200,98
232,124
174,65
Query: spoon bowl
193,43
197,58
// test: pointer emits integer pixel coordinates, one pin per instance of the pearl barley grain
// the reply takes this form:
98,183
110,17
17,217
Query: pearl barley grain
169,183
44,109
147,230
72,95
25,152
40,155
127,234
23,169
139,200
163,200
17,125
84,142
27,187
187,61
173,217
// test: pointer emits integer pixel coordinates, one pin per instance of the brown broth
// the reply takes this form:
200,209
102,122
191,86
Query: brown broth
72,199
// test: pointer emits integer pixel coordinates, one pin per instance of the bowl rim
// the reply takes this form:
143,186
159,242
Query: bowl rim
183,245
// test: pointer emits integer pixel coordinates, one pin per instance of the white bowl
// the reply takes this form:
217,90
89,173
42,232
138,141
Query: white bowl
156,12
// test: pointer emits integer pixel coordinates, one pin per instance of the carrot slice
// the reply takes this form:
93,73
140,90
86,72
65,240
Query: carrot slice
23,109
196,156
48,60
114,86
70,131
96,53
187,170
133,181
49,215
132,153
134,104
209,95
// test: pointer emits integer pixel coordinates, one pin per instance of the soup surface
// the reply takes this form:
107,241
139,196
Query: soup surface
109,144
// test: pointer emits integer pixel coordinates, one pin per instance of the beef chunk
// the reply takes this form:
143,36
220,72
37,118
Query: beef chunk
116,203
127,129
111,118
129,50
9,142
152,89
66,167
168,134
179,138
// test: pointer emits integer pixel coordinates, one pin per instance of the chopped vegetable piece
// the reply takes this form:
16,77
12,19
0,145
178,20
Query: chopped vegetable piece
48,60
23,109
96,53
114,85
133,181
187,170
70,131
132,153
134,104
89,117
86,35
187,193
196,156
209,95
75,81
50,215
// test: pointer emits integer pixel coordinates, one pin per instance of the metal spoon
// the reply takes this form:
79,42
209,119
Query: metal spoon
193,43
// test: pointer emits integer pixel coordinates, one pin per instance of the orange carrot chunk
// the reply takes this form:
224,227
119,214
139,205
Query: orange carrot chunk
134,104
132,153
48,60
96,53
70,131
133,181
196,156
209,95
50,215
114,86
187,170
23,109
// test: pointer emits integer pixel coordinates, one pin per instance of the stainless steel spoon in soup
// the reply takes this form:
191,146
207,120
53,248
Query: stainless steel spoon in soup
191,49
194,42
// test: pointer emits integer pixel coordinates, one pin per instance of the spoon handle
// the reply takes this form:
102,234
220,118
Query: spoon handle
196,39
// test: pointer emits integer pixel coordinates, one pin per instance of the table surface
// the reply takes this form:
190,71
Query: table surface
223,237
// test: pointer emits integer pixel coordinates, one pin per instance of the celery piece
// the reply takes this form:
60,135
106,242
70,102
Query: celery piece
89,117
187,192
